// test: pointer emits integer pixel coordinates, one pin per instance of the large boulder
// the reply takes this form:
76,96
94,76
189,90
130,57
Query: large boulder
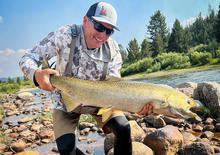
197,148
187,88
137,149
165,141
137,134
25,96
209,94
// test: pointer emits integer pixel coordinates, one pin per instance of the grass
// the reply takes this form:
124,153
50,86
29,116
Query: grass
87,118
47,115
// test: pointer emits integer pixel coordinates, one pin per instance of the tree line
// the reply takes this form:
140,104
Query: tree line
195,44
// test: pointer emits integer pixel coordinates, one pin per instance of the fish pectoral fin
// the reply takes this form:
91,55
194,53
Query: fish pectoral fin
161,105
69,103
105,112
45,63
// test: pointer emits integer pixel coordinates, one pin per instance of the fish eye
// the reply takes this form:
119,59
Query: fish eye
188,101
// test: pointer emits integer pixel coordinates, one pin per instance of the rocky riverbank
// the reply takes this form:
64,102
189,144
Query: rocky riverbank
28,126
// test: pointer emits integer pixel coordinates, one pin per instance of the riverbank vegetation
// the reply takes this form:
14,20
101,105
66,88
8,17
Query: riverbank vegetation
12,86
197,44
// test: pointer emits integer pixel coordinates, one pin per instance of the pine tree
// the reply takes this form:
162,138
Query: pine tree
133,50
217,26
158,45
157,28
145,49
176,39
124,54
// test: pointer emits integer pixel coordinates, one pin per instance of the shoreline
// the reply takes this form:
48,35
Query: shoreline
144,75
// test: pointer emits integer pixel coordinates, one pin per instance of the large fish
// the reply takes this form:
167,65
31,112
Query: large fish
116,93
123,95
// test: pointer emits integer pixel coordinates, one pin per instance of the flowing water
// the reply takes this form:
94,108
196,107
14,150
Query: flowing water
197,77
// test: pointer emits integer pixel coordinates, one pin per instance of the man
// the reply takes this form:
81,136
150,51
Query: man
88,52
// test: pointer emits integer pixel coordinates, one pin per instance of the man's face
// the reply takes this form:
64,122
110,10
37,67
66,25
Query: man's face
94,39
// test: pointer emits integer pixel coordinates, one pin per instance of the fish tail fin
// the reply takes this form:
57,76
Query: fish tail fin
45,63
106,113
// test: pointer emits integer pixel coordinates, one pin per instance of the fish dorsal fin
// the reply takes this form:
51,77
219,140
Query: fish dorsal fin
113,79
69,103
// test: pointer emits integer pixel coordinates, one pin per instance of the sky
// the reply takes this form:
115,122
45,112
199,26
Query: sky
24,23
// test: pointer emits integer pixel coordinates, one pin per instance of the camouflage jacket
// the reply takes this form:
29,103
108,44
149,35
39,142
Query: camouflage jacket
87,64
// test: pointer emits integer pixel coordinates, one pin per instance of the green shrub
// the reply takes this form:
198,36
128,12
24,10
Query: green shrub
140,66
9,87
172,61
200,58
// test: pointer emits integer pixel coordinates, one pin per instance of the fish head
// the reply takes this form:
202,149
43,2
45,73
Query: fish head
180,105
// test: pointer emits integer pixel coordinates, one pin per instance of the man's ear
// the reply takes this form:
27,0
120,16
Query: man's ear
85,19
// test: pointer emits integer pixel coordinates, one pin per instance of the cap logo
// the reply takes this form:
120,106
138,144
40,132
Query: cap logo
103,11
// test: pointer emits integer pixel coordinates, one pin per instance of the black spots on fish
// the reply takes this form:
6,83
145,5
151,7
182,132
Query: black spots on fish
188,101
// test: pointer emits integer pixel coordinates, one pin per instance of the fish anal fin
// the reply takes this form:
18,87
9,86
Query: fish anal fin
113,79
69,103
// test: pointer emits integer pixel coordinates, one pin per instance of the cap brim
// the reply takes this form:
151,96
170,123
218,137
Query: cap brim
103,20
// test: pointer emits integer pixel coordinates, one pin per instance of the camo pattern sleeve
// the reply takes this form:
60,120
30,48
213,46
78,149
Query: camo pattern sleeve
50,46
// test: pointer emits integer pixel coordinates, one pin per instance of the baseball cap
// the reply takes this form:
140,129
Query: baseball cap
103,12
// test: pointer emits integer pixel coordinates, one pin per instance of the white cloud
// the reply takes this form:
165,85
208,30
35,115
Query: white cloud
189,21
9,59
1,19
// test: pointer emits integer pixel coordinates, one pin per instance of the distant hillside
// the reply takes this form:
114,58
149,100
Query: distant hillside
6,79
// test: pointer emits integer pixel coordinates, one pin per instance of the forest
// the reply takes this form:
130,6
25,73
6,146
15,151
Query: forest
196,44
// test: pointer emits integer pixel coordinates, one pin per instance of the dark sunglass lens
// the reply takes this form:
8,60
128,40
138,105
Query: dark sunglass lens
99,27
109,32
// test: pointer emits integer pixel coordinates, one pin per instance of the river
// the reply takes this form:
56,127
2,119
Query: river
175,79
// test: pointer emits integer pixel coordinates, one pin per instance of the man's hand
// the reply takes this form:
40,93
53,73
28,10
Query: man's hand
42,77
147,109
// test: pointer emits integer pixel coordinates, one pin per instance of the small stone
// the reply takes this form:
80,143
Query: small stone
89,141
207,134
89,151
81,138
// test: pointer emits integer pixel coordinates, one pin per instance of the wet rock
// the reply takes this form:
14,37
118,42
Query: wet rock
156,121
84,125
18,146
217,127
46,108
8,153
26,133
25,96
3,148
55,149
109,142
195,120
137,133
187,88
46,134
165,141
22,127
46,141
14,135
12,112
26,119
89,151
188,138
207,134
89,141
94,129
173,121
198,128
81,138
137,149
197,148
84,131
29,153
36,127
208,128
209,121
209,94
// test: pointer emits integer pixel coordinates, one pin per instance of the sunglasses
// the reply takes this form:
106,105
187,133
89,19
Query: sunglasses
101,28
